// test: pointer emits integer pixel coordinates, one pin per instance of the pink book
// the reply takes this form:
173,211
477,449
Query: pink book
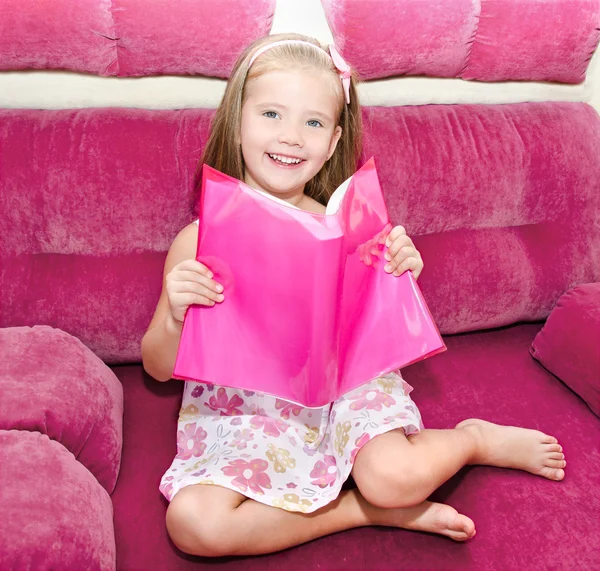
309,312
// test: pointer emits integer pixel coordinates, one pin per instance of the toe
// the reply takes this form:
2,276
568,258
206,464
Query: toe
462,533
549,439
555,463
554,448
556,456
552,473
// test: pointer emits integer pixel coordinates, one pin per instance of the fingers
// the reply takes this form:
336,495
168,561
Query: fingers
190,276
401,254
185,299
397,254
194,266
394,234
414,264
401,243
191,283
191,289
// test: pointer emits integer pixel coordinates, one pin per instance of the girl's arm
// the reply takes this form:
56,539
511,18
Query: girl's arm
185,282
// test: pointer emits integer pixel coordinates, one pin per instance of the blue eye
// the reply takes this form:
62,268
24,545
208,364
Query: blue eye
314,123
271,114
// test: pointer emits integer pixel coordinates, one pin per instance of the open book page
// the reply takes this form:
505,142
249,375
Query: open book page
336,198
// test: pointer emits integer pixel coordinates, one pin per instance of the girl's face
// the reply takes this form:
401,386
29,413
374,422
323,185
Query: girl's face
289,130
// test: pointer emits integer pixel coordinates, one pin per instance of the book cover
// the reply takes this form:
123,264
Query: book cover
309,312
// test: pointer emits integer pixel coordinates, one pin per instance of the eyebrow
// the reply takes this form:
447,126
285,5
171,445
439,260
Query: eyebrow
310,112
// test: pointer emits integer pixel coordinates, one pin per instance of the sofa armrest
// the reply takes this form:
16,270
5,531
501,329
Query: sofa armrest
53,384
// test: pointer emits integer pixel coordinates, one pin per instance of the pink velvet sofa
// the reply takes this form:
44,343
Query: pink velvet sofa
502,200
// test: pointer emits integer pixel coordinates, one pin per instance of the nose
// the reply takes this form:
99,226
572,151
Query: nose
290,134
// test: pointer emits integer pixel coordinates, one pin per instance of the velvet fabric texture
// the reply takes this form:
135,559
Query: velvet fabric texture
485,40
50,383
523,521
55,514
569,343
501,200
130,37
96,192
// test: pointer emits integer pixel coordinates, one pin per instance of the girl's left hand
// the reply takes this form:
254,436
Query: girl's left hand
401,254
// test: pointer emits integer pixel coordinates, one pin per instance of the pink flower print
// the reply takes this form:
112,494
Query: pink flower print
255,409
221,401
308,450
197,392
288,408
249,475
324,473
271,426
236,421
210,387
360,442
166,489
241,438
189,441
291,485
399,416
249,393
370,399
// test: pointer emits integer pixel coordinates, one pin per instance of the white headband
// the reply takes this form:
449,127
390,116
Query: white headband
338,61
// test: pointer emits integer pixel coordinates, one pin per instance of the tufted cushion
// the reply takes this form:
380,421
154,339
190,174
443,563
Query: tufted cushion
534,40
55,514
489,40
488,191
569,343
52,384
130,37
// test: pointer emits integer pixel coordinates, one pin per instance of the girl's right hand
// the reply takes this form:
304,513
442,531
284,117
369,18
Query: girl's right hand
190,282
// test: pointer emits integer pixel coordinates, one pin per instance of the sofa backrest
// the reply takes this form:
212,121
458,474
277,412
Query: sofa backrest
501,200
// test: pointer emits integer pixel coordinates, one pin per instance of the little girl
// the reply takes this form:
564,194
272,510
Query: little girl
255,474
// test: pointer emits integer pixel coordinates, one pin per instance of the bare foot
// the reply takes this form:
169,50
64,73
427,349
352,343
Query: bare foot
519,448
430,517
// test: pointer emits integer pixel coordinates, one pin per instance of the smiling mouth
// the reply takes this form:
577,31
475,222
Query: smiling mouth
285,161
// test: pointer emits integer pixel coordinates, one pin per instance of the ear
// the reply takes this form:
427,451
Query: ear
337,133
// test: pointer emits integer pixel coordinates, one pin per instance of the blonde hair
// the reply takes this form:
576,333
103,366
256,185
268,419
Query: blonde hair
223,151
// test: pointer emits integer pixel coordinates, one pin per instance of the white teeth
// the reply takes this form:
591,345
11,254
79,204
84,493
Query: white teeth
286,160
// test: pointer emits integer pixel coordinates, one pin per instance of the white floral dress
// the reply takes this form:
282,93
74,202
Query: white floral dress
278,453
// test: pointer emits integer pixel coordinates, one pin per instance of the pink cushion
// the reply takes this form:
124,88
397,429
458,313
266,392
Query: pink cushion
52,384
569,343
57,35
491,40
130,37
465,180
534,40
126,204
55,514
402,37
197,37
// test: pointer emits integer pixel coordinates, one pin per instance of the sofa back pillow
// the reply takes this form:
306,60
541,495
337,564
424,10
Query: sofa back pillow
502,201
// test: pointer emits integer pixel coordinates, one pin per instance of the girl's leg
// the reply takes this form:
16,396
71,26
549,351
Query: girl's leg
214,521
393,470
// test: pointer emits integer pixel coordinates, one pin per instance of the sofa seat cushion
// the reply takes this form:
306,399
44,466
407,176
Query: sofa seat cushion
54,513
489,375
569,343
53,384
